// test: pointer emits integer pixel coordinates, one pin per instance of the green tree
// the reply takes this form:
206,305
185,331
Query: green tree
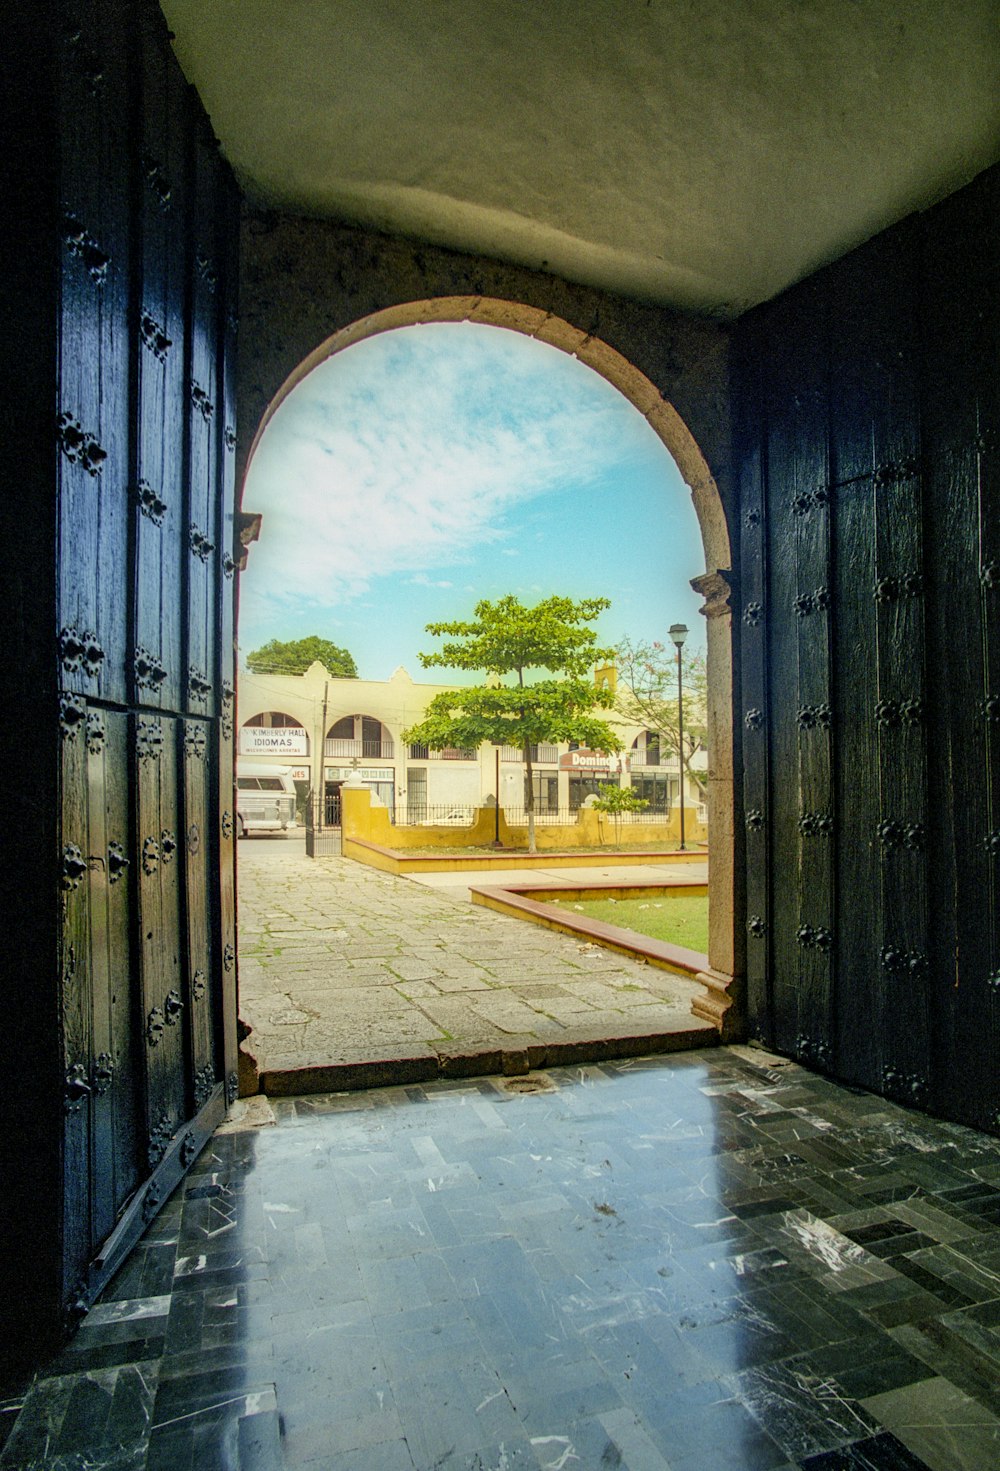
647,695
506,640
616,800
294,656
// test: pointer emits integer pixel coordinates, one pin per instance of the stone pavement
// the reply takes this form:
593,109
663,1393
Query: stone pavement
456,885
350,978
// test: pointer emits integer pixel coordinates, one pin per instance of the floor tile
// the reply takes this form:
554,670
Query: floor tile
946,1428
705,1262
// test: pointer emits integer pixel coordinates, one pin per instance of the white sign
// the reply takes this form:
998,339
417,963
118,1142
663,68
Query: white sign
300,773
277,740
366,773
585,761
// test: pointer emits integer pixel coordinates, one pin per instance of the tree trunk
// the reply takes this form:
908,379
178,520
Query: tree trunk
529,797
692,776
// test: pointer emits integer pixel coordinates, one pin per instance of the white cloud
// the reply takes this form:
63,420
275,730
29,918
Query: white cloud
410,452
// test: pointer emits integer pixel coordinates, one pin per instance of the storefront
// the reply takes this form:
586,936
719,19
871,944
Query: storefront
657,787
381,780
588,772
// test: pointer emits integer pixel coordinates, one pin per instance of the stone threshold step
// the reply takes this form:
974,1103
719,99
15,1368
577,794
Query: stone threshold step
472,1062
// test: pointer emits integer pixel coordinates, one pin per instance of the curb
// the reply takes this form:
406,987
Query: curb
348,1077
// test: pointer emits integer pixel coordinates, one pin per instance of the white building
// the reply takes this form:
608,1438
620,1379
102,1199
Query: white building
328,729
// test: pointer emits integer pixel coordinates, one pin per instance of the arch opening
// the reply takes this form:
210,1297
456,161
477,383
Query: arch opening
723,1000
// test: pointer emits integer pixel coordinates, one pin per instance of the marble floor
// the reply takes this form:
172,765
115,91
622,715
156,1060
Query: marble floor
712,1261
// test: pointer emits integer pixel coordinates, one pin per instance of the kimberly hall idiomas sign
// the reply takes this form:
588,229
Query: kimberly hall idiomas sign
284,740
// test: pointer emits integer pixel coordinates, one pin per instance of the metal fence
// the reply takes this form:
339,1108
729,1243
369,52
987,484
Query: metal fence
368,750
567,816
540,755
423,814
322,826
448,753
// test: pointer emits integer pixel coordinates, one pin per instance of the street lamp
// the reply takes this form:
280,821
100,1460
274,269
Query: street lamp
496,811
678,632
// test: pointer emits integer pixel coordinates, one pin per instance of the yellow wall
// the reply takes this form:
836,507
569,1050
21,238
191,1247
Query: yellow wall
592,829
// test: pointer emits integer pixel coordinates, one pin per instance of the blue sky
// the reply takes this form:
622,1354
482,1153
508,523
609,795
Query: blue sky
423,469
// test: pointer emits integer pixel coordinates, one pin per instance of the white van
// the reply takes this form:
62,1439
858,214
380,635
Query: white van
265,798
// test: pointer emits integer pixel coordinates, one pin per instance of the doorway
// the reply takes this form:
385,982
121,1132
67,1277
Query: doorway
725,951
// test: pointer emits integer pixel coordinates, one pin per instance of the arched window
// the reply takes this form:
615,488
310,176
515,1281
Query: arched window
273,719
646,749
359,735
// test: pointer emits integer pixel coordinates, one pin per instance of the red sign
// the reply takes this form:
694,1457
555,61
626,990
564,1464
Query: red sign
590,763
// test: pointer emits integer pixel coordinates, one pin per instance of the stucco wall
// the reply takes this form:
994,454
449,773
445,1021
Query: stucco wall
369,822
303,280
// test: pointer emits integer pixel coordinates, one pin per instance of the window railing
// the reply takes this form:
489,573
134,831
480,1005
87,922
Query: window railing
450,753
370,750
540,755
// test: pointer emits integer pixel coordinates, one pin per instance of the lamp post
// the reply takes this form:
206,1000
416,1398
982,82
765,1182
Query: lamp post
496,811
678,632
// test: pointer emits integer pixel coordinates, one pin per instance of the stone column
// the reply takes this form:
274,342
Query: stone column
724,1001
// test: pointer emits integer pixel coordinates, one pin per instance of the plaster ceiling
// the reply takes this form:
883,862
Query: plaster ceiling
697,153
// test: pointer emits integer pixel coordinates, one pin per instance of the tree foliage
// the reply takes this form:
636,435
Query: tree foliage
507,641
614,801
294,656
647,695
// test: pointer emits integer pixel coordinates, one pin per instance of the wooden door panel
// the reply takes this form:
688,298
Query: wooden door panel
224,895
92,422
989,720
205,413
901,827
118,1164
861,1003
905,664
798,613
160,936
198,853
960,484
874,381
163,537
755,723
77,992
140,363
102,860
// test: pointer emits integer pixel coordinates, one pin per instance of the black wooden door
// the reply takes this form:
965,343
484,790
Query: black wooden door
869,461
146,576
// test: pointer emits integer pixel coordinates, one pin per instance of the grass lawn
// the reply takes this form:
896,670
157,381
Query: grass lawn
681,921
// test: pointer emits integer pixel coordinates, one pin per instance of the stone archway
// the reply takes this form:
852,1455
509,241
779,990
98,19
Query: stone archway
722,1002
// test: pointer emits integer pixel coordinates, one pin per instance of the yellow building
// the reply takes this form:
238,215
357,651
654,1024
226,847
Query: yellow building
328,729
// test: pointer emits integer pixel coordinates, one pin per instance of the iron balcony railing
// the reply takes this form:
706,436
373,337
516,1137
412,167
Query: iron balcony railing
450,753
540,755
369,750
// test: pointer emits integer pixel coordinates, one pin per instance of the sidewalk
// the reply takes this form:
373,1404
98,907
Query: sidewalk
354,978
456,885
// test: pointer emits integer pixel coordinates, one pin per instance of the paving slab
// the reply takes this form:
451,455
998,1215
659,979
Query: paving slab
350,977
457,884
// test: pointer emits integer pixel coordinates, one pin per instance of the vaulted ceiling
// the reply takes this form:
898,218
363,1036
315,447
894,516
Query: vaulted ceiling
698,153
